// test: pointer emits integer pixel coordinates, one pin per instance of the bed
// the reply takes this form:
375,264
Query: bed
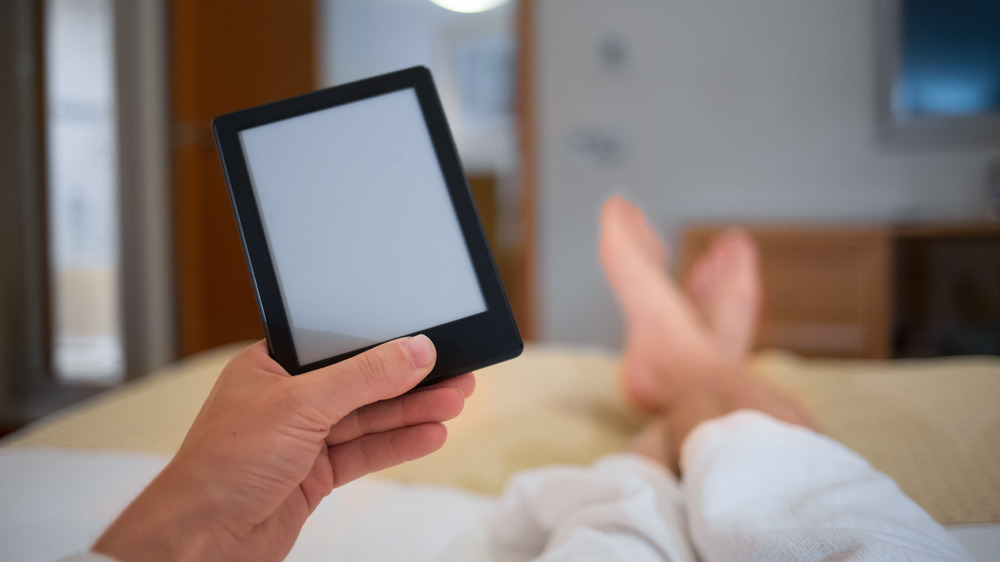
933,425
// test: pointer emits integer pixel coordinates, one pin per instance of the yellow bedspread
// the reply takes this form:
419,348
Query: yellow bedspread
933,425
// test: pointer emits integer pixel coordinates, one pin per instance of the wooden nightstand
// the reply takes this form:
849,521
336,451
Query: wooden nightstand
870,291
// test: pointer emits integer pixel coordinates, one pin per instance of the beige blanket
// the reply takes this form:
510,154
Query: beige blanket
933,425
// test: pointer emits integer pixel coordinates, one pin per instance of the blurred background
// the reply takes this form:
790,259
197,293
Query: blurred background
858,140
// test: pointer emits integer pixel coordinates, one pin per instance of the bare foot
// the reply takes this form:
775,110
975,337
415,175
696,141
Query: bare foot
666,339
725,286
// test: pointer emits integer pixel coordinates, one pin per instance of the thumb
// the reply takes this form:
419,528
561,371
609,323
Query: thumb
380,373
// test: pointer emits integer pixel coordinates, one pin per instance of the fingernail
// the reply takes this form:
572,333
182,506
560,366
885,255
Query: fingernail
420,349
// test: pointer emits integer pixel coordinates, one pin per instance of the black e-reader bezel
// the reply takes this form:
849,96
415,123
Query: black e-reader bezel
462,345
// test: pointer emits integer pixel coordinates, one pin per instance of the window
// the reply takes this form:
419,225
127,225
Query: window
82,174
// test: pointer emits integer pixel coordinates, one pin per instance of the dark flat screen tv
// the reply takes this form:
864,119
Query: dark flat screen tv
941,69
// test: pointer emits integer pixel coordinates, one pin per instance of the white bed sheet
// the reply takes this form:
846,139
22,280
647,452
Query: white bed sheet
56,501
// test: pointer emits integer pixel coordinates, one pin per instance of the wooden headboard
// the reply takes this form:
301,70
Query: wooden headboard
826,290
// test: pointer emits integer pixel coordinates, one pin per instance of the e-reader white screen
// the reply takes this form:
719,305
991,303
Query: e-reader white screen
364,239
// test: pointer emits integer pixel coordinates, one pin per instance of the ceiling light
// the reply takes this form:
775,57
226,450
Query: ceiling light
469,6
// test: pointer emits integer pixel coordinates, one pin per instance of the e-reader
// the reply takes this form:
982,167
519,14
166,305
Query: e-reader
358,227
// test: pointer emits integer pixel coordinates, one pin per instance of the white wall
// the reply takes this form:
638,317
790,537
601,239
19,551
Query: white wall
721,110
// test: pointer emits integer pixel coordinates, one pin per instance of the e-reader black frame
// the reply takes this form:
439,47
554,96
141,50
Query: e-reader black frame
462,345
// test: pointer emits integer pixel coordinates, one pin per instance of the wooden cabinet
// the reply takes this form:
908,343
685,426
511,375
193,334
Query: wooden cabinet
840,291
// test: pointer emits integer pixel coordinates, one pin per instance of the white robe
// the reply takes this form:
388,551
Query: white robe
754,489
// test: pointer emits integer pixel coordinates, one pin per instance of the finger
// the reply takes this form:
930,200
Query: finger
379,451
437,405
466,383
380,373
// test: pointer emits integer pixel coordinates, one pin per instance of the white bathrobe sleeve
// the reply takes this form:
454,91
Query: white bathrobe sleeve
757,488
624,507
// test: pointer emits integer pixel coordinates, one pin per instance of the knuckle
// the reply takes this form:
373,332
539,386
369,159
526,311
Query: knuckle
406,413
363,425
380,365
370,366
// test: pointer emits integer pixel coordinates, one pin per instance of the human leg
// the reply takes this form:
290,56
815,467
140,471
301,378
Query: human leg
724,286
684,350
673,335
666,338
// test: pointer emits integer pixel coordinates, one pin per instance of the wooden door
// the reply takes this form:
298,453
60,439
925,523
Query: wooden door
226,55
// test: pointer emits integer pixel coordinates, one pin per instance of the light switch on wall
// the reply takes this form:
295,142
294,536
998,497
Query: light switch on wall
603,147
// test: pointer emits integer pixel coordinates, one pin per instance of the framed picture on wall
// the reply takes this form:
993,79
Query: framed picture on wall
486,79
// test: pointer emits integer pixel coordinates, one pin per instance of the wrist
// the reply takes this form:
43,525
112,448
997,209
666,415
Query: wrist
165,522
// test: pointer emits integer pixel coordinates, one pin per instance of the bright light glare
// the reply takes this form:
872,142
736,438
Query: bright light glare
469,6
